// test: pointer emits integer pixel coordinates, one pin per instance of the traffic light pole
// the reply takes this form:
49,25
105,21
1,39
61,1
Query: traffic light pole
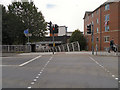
92,38
53,44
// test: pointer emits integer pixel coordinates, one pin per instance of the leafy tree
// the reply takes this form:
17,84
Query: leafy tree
78,36
12,29
30,17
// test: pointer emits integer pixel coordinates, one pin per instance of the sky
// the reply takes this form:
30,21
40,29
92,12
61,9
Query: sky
67,13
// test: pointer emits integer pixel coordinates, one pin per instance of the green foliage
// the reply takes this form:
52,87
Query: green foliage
12,29
19,17
78,36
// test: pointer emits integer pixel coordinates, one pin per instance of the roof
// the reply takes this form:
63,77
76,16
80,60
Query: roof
87,13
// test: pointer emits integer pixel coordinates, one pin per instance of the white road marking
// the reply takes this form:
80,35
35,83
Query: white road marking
116,78
119,81
32,83
29,87
104,68
37,77
29,61
8,65
108,71
38,74
35,80
113,75
40,71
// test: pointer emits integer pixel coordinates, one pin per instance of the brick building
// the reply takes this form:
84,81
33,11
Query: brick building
106,25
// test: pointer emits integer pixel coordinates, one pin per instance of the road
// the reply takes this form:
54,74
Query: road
62,70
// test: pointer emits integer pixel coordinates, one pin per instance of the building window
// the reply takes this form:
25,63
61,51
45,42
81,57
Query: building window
92,22
97,39
106,28
97,12
107,17
97,30
106,38
97,20
107,7
92,15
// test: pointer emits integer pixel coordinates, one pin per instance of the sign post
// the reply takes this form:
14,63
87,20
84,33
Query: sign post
27,34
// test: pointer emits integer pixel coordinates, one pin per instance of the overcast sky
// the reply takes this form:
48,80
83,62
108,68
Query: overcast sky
68,13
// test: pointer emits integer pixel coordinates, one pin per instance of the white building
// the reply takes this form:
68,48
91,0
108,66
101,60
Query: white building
62,31
69,33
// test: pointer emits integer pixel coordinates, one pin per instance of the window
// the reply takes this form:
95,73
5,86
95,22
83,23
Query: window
97,12
107,7
106,38
92,14
107,17
97,21
97,30
97,39
92,22
106,28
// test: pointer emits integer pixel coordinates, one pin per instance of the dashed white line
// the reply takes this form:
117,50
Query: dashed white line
40,72
29,61
116,78
29,87
103,68
35,80
113,75
37,77
32,83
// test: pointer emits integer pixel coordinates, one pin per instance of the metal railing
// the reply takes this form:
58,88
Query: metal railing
16,48
69,47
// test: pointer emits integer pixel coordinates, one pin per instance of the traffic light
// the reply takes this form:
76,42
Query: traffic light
89,29
50,25
56,28
53,29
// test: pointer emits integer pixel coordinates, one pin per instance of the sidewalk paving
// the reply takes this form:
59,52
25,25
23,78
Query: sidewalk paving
102,53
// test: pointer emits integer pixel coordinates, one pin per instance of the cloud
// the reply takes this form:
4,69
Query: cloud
50,6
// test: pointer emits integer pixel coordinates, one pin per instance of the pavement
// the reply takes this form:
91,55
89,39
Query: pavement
62,70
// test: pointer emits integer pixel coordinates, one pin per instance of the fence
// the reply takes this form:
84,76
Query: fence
69,47
16,48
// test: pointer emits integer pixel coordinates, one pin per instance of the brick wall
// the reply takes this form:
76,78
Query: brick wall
113,23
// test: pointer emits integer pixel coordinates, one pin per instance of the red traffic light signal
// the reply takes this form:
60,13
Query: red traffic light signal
53,28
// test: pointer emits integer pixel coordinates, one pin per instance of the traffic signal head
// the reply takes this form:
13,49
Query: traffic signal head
56,28
50,25
89,29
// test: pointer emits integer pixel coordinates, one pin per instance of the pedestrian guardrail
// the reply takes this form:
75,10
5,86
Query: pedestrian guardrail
69,47
16,48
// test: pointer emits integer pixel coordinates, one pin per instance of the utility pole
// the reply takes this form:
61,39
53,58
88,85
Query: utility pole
53,29
53,43
92,28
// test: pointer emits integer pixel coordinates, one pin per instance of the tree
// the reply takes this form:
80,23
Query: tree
30,17
78,36
12,28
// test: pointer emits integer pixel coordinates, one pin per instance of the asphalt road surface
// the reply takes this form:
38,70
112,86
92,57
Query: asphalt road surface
62,70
